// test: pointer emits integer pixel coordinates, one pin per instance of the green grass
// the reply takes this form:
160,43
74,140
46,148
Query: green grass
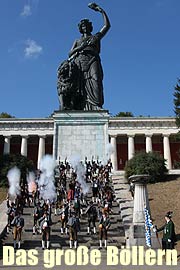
3,194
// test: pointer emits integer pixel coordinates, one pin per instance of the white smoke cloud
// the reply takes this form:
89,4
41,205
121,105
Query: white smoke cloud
13,176
80,170
31,182
47,180
110,150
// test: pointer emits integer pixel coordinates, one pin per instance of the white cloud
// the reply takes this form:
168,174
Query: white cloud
32,49
26,11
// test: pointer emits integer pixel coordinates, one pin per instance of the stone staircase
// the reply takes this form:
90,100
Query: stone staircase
116,235
126,204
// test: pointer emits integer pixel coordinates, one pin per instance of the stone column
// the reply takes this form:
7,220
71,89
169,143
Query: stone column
55,142
148,143
167,151
140,198
140,202
114,153
131,149
7,142
24,146
41,150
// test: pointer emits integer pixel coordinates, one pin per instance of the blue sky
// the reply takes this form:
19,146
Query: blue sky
140,54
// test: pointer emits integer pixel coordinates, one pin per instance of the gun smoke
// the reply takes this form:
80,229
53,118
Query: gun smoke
47,180
13,176
31,182
80,170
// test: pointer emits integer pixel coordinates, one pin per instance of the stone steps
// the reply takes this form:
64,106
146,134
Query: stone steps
116,235
126,203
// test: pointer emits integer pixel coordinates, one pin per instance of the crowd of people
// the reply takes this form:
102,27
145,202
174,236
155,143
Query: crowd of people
75,200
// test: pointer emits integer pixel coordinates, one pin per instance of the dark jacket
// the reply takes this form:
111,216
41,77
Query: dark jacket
18,221
44,221
91,212
105,223
168,231
74,223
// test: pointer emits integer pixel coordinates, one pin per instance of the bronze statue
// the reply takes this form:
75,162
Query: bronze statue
89,74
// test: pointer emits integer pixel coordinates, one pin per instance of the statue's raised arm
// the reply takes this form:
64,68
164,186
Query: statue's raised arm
79,47
107,24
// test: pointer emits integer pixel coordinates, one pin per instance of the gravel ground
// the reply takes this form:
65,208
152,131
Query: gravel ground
164,197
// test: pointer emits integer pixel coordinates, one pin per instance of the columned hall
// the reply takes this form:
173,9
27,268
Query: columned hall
131,135
33,138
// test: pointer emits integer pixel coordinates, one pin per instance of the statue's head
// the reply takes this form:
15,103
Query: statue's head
85,23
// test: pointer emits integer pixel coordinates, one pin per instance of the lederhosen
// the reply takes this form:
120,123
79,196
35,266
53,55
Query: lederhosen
73,228
45,228
104,225
64,217
18,223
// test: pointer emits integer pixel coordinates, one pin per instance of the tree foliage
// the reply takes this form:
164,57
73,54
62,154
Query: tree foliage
177,103
150,163
5,115
9,161
124,114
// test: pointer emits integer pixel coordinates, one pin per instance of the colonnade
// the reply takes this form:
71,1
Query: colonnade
148,145
130,145
24,146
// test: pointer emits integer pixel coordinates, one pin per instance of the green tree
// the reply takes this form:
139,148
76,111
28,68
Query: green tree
5,115
124,114
177,103
8,161
150,163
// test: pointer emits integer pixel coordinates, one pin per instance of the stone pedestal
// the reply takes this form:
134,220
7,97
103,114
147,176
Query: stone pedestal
140,202
140,198
81,133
